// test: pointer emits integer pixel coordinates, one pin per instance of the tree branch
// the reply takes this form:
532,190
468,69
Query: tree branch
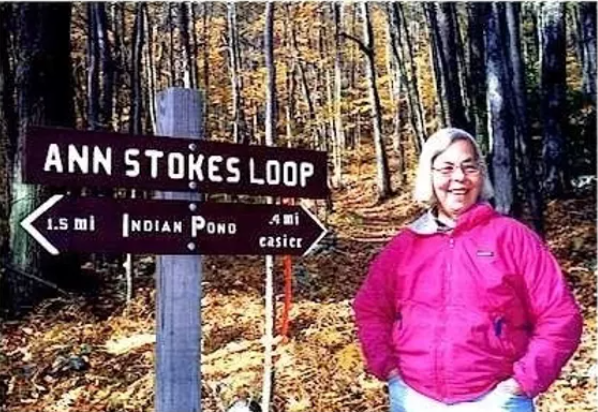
362,46
19,272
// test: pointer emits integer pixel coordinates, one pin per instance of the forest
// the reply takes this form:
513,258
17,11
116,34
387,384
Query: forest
364,82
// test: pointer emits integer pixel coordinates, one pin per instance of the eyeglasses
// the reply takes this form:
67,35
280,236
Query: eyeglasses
468,169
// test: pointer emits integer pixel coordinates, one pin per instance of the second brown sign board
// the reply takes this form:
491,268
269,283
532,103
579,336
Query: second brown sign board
63,157
171,227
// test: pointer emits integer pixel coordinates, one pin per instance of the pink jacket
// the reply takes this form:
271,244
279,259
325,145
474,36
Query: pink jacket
457,313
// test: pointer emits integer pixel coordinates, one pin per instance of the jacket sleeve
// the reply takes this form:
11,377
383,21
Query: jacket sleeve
375,313
556,318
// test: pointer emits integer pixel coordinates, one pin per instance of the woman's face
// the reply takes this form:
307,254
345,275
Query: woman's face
456,178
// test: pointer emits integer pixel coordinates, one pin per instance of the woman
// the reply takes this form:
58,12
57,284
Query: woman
465,309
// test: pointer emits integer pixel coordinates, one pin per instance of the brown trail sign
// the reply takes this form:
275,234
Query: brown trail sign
85,224
63,157
178,230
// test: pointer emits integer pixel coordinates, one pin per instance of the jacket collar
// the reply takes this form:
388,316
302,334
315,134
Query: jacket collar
428,224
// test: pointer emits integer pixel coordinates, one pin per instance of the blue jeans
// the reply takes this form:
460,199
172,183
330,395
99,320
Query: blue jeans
405,399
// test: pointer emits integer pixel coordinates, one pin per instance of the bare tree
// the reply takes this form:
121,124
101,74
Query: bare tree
104,54
476,14
270,141
553,97
443,32
367,47
340,140
499,126
290,67
383,176
93,82
416,104
587,14
520,117
8,121
43,97
399,80
136,52
234,56
186,59
120,62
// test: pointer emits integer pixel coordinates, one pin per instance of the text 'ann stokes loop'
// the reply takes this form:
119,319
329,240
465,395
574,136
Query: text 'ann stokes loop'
102,159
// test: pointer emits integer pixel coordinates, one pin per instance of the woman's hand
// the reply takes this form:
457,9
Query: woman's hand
392,374
511,386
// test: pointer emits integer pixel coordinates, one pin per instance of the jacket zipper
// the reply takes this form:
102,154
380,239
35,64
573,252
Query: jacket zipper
441,371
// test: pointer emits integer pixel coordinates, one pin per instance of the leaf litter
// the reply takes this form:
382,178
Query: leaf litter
96,355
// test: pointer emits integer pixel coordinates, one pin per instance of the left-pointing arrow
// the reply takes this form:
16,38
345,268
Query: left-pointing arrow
27,224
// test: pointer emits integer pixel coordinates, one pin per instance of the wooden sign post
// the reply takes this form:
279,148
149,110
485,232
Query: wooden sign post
178,305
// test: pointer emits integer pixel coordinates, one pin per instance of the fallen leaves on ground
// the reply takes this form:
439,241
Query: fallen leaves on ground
95,355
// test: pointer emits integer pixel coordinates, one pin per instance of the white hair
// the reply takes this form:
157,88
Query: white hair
435,145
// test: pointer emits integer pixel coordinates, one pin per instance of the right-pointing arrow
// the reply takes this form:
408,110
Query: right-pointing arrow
27,224
322,234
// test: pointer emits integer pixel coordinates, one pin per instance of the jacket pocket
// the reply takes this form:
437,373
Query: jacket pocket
488,334
512,339
499,326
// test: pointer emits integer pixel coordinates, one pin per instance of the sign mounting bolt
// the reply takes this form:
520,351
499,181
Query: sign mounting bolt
192,147
192,207
191,246
192,185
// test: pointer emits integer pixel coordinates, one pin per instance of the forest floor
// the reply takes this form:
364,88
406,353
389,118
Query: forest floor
93,354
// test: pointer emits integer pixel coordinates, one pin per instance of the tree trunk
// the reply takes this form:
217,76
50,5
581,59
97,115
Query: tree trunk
174,80
435,54
353,117
519,116
136,53
104,55
444,32
93,82
271,115
554,106
8,115
403,54
118,28
463,70
383,177
313,121
476,15
400,76
587,13
320,97
185,58
413,84
502,165
44,97
339,129
206,21
150,73
195,48
396,75
290,110
8,129
338,75
271,109
239,129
